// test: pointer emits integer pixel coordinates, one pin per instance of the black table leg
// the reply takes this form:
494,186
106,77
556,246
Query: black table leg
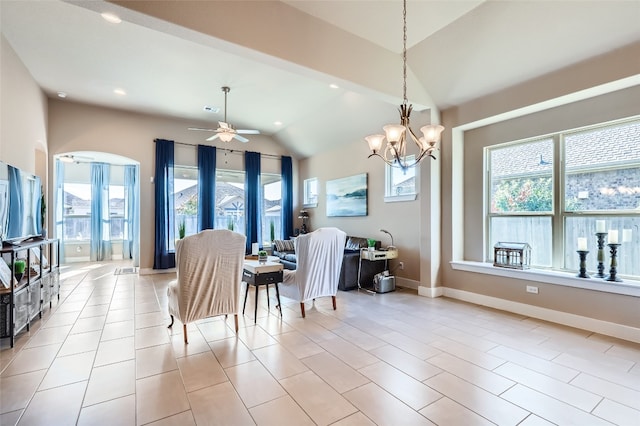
246,292
255,311
268,303
278,299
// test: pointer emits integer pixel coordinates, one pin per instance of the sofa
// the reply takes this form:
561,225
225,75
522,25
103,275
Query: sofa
285,251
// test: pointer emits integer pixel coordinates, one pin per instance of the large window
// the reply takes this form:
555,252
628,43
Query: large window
550,191
185,199
270,215
230,200
400,185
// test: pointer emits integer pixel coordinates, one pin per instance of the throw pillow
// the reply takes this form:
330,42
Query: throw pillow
283,245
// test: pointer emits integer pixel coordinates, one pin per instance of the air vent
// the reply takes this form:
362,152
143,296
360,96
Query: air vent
211,109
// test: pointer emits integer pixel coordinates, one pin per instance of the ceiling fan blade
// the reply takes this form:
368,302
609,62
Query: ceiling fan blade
240,138
201,129
248,132
213,137
223,125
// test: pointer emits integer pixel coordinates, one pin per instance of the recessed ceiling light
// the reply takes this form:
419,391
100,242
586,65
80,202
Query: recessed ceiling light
278,123
120,92
334,86
111,18
212,109
62,95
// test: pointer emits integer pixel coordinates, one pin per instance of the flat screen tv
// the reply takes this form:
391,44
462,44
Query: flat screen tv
20,198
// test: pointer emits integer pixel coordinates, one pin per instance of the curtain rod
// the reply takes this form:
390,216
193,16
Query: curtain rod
232,151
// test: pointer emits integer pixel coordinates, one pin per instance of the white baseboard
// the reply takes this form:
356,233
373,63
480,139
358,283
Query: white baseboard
407,283
151,271
431,292
585,323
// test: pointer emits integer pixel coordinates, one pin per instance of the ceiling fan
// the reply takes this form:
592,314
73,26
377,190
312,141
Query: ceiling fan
226,131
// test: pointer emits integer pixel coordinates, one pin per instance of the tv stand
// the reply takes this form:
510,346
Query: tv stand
23,300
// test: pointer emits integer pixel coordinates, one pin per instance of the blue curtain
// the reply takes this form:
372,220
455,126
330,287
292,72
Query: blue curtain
15,203
206,187
164,257
130,238
100,248
252,195
287,197
58,202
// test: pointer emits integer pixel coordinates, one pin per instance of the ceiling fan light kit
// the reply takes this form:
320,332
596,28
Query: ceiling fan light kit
395,152
225,131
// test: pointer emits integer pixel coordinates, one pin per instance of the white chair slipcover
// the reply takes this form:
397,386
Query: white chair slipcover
209,275
319,259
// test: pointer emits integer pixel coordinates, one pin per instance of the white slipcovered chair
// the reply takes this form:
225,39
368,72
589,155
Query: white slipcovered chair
319,259
209,276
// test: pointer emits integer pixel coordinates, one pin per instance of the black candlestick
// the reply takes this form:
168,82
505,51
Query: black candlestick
614,263
583,264
601,236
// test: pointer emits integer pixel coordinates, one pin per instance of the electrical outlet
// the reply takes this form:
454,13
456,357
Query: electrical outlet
532,289
401,266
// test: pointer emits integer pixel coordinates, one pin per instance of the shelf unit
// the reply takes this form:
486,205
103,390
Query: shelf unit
27,298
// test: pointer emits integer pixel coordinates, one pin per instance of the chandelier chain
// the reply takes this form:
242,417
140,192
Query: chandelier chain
404,52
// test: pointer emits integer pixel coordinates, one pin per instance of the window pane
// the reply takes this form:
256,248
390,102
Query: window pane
535,230
271,208
521,177
603,169
401,182
186,199
116,211
77,211
230,200
311,192
628,228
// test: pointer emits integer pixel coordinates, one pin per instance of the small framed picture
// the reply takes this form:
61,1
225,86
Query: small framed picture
5,274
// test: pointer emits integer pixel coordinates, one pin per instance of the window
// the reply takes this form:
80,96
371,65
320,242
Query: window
230,200
185,199
270,216
310,192
400,185
535,198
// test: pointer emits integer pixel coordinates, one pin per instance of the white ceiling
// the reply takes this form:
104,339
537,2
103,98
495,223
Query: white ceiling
280,57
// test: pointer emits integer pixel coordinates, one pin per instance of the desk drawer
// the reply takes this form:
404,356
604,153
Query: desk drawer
262,279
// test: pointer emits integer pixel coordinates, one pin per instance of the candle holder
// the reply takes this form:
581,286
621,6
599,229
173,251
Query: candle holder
613,250
582,273
601,236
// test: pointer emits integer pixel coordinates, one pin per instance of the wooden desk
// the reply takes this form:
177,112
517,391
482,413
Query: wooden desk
257,274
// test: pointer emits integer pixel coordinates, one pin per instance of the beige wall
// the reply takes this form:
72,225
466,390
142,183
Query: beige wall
402,219
80,127
550,103
23,115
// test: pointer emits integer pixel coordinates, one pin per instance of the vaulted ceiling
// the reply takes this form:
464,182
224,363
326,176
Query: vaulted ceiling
279,57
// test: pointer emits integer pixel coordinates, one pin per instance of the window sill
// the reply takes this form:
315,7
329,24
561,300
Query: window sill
628,287
399,198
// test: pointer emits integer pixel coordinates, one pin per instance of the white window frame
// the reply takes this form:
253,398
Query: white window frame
389,197
310,199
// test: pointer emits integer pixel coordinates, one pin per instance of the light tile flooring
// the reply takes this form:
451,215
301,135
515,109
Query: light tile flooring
104,356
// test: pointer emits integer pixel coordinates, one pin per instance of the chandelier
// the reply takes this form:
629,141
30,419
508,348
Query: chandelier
395,152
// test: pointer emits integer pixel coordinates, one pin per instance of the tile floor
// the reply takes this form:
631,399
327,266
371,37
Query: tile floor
104,356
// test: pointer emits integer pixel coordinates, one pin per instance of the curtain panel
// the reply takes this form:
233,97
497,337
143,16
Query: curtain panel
287,197
164,257
252,195
206,187
130,240
100,248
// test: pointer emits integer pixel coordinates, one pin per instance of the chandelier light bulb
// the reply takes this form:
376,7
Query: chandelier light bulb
375,142
226,136
394,132
432,133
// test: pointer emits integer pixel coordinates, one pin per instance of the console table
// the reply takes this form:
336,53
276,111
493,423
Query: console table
256,274
26,298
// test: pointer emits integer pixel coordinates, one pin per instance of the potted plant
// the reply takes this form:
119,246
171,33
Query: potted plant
372,244
182,229
230,224
272,230
18,268
43,212
262,256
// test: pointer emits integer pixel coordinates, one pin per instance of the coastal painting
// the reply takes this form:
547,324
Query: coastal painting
347,196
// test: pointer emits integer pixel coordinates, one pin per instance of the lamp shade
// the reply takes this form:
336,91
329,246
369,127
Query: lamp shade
226,136
394,132
375,142
432,133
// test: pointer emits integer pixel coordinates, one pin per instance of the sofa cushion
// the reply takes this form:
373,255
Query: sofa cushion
355,243
284,245
291,257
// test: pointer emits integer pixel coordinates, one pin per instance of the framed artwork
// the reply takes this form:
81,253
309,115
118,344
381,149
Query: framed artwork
5,274
347,196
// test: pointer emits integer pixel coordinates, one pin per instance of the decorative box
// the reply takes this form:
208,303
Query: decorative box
512,255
